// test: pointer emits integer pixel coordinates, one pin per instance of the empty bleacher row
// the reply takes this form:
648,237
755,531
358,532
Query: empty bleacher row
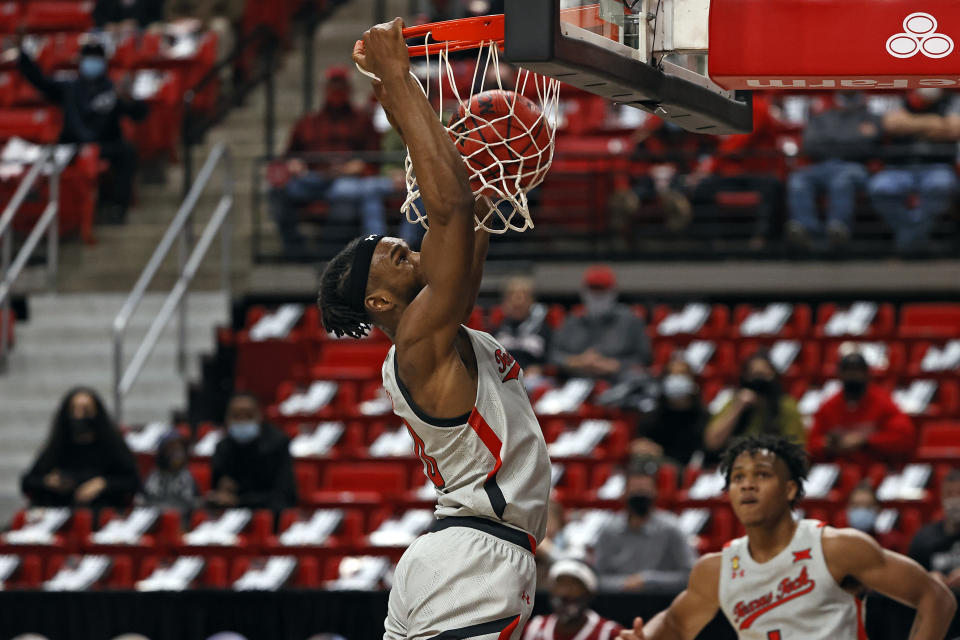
362,496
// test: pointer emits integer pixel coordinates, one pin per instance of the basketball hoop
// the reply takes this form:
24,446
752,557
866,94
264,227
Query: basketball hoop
500,174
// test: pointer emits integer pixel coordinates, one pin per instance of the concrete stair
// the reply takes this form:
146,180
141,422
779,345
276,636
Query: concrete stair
67,342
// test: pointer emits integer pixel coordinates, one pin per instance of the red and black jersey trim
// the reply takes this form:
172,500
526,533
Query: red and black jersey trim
493,445
504,626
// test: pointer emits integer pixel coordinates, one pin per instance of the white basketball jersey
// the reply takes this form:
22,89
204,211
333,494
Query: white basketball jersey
790,597
491,462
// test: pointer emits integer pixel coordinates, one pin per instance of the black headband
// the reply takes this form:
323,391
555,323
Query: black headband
360,271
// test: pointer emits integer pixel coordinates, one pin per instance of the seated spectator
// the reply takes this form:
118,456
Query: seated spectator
171,485
608,340
759,406
92,107
573,584
644,550
746,163
223,17
838,141
674,432
348,185
920,162
524,331
252,466
553,545
861,421
85,461
937,545
127,14
863,508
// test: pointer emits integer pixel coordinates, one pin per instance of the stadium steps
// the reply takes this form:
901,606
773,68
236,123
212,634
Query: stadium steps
67,342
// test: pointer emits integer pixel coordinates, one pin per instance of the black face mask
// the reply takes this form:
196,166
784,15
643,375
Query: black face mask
760,386
853,390
81,429
640,503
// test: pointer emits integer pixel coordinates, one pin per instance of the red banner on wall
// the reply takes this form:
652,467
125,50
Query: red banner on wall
834,44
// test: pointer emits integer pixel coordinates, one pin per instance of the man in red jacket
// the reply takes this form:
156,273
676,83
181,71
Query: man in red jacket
861,422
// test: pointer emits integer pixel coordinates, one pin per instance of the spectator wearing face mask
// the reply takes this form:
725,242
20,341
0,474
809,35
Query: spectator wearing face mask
170,485
251,467
607,340
923,151
838,141
862,509
937,545
675,430
92,108
85,461
524,331
573,584
644,550
860,422
348,184
759,406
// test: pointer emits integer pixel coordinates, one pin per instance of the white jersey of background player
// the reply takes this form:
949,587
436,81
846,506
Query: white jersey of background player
457,390
789,580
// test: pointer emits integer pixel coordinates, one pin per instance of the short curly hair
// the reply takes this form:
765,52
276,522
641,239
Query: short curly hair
793,455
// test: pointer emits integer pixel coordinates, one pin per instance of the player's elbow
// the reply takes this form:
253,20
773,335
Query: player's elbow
943,600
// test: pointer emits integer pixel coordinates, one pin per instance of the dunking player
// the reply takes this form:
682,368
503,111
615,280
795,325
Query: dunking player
790,580
459,393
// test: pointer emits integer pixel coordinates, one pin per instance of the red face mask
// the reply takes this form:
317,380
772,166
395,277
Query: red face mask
337,97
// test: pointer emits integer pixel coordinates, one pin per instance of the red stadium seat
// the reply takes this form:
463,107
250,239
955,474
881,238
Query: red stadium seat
797,325
9,16
929,321
57,15
40,125
881,328
939,442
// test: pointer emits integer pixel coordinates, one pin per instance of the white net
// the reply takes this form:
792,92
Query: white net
505,155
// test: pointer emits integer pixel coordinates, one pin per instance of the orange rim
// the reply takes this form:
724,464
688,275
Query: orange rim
456,35
473,33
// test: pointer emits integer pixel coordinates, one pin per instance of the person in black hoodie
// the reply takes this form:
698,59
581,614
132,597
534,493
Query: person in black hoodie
674,432
92,107
85,461
251,467
838,141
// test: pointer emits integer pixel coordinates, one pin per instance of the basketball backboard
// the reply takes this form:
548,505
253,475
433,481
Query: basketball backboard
648,54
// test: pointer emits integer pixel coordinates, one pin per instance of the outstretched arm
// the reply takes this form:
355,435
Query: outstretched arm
431,322
690,611
855,554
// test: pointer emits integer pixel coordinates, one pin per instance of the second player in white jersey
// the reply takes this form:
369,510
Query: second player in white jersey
491,462
789,579
773,600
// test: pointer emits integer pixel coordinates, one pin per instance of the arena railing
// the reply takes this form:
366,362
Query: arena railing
259,50
47,223
578,217
189,259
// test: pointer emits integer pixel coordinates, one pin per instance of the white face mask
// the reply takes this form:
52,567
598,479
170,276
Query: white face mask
243,432
677,385
598,303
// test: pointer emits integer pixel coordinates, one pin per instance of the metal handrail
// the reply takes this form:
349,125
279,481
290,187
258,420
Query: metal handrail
48,222
179,229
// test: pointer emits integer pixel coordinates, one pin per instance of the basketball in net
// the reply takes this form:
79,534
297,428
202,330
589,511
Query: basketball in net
505,140
504,134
